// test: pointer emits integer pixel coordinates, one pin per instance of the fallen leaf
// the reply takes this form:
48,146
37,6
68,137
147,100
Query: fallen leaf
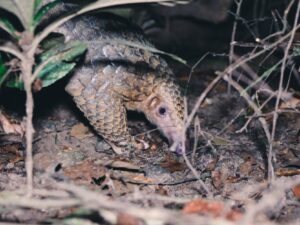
220,141
153,147
127,219
203,206
9,126
213,208
287,172
233,179
246,167
84,172
80,131
123,165
217,179
161,190
296,191
143,179
172,165
10,154
292,103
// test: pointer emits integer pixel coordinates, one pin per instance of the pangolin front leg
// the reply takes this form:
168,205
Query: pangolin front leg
93,92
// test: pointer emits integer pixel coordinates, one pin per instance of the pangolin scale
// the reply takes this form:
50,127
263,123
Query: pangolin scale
119,73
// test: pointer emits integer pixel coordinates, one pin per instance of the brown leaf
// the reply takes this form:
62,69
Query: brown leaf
80,131
143,179
213,208
172,165
10,154
203,206
233,179
287,172
123,165
37,85
296,191
127,219
84,172
292,103
161,190
217,179
246,166
153,147
9,126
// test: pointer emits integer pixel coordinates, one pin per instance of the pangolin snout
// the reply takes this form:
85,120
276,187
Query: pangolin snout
178,143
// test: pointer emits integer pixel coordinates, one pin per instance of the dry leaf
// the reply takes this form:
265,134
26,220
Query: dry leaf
84,172
141,178
123,165
127,219
296,191
246,167
10,127
292,103
220,141
217,179
203,206
80,131
161,190
287,172
213,208
10,154
172,165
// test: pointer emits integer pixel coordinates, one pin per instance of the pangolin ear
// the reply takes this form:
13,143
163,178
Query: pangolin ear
153,103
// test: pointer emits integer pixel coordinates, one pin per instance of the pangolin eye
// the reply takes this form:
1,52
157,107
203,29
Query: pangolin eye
162,111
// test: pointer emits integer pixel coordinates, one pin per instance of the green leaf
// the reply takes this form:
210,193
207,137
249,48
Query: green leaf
43,11
8,27
64,51
14,81
23,9
52,42
54,72
3,70
60,58
37,4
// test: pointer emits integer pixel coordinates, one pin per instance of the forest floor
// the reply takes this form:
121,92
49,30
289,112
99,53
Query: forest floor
233,166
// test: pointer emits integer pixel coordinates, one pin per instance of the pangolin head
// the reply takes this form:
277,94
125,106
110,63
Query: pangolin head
164,107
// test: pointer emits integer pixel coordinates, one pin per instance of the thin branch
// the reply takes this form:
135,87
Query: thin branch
232,42
239,88
13,51
88,8
271,175
229,69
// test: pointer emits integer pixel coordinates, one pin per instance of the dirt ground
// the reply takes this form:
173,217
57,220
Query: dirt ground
232,166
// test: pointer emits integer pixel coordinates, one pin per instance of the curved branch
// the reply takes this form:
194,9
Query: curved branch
97,5
14,52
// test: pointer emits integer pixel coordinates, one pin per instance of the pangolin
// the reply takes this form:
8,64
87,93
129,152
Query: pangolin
119,73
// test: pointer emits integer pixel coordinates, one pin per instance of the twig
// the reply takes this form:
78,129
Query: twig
251,104
271,175
93,6
14,52
192,71
187,161
254,115
232,42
